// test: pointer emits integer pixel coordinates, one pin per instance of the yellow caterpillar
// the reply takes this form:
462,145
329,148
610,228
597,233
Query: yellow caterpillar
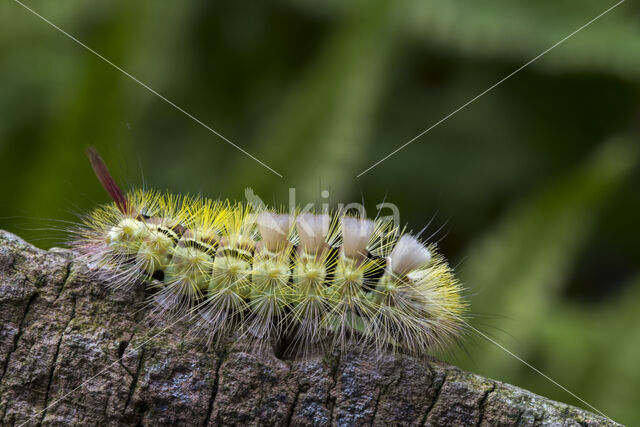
308,279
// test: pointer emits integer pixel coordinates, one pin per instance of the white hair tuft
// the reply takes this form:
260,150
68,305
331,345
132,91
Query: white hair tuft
356,234
274,229
408,255
312,230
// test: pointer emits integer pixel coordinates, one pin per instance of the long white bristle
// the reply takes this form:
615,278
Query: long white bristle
356,234
231,269
274,229
312,230
408,255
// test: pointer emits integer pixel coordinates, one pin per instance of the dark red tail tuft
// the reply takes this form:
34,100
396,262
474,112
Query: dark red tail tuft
107,181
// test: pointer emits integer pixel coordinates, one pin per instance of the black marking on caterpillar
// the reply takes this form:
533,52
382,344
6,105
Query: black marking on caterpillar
302,279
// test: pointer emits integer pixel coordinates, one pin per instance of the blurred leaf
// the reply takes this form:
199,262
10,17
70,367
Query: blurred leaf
613,375
520,30
516,271
599,343
94,108
323,122
321,90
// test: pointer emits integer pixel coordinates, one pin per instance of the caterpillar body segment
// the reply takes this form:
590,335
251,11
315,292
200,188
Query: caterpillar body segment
303,279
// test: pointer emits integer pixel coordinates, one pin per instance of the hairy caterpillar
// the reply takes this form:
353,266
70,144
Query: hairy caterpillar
306,279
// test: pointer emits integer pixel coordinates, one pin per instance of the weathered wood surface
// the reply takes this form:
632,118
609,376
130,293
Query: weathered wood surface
74,353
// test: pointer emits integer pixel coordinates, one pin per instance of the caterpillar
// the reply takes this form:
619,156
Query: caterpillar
306,279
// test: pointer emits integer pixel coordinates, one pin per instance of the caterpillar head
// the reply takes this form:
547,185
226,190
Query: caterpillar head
156,250
127,236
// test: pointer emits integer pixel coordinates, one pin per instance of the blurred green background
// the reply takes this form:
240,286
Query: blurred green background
535,183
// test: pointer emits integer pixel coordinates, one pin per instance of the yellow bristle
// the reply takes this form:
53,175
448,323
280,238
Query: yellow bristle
274,277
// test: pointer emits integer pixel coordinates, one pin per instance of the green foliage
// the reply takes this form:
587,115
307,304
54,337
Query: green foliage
521,30
537,179
325,119
519,268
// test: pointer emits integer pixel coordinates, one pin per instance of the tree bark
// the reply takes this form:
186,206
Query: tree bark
73,352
